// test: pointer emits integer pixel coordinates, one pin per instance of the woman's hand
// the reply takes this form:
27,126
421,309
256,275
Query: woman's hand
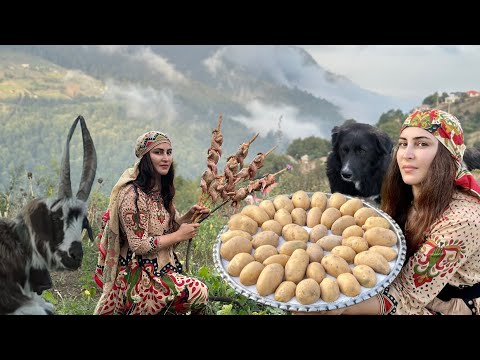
197,210
187,231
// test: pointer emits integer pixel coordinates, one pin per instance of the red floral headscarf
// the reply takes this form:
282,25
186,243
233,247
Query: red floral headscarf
448,130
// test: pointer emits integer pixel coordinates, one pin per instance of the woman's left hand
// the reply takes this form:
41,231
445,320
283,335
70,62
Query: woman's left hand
199,210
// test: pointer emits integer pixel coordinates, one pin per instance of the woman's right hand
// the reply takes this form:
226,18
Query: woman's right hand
187,231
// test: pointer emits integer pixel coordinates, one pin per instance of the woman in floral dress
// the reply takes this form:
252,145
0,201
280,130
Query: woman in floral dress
137,269
436,201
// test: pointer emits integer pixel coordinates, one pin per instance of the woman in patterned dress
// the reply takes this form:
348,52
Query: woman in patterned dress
137,269
436,201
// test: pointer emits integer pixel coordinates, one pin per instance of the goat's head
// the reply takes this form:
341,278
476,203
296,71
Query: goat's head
57,225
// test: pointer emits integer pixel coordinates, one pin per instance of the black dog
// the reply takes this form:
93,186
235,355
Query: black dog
360,157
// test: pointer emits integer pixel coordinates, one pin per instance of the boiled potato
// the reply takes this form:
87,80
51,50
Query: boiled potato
318,232
283,202
380,236
307,291
373,259
263,252
269,279
387,252
345,252
314,216
357,243
329,290
319,199
348,284
244,223
238,262
278,259
351,206
316,272
362,214
250,273
256,213
335,265
269,208
336,201
265,238
299,216
375,221
231,233
329,242
301,200
272,225
315,252
353,230
285,291
341,224
288,247
234,246
365,275
329,216
283,217
297,266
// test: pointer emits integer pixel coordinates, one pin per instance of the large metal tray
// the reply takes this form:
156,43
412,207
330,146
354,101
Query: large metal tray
343,301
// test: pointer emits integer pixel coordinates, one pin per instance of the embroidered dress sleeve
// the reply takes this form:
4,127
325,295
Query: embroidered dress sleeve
447,247
135,223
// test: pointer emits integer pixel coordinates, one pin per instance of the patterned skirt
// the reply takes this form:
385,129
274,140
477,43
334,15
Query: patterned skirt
141,289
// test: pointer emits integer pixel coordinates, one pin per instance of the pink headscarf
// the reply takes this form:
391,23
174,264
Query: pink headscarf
448,130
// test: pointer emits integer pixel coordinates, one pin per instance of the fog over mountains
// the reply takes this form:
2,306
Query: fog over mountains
262,82
124,90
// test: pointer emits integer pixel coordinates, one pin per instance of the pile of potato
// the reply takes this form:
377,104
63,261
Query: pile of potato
344,248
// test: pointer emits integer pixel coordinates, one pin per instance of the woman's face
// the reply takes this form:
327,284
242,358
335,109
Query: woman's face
416,150
161,156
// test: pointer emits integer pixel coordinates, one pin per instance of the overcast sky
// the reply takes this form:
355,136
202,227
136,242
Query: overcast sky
411,72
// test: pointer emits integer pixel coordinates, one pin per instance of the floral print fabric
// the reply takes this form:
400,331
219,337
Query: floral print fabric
450,254
149,279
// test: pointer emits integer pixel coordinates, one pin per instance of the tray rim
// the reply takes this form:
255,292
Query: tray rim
399,261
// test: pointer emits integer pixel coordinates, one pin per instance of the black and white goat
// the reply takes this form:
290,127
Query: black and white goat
45,236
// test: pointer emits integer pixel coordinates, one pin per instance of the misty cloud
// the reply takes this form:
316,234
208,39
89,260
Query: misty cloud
409,72
215,63
143,102
145,56
265,117
112,49
292,67
159,64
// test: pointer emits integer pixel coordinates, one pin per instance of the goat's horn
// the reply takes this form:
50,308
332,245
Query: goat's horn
65,186
89,163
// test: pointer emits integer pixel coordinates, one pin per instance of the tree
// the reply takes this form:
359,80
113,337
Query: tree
312,146
391,122
431,100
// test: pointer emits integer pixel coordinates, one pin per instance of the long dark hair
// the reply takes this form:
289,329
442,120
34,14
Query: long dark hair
146,180
437,192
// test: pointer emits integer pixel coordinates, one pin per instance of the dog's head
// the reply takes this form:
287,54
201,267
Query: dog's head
362,150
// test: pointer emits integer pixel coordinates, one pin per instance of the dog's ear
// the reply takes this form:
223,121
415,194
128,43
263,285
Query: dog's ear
384,143
335,136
